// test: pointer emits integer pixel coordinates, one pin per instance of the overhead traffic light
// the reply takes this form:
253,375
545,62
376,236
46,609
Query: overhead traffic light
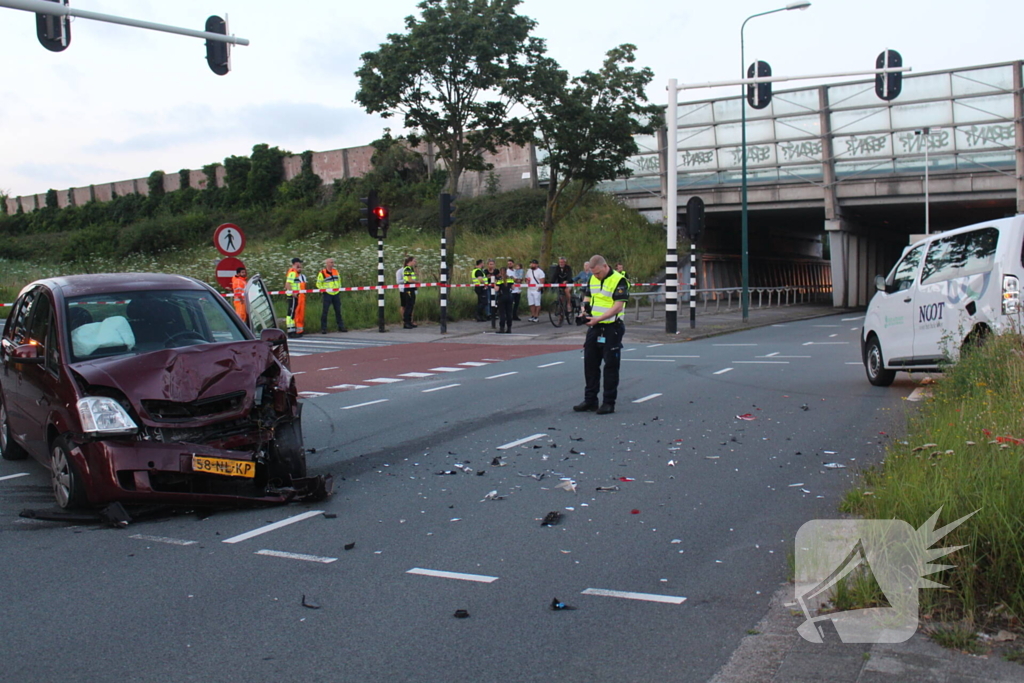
54,32
759,95
448,207
888,86
218,54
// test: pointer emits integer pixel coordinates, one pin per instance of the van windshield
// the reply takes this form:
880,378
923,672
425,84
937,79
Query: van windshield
139,322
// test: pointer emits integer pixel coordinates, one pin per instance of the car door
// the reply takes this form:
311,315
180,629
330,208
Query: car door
259,308
16,333
40,382
895,323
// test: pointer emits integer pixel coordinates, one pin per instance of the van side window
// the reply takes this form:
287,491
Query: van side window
906,271
968,253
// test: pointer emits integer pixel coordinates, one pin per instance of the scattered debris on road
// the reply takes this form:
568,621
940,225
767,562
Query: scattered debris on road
559,606
552,518
461,614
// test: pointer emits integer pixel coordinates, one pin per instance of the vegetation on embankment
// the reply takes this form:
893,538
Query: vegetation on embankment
964,452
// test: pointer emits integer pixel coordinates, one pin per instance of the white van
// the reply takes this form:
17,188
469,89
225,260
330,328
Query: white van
948,290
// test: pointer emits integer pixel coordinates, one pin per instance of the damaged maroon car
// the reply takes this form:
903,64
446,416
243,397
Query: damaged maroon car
142,388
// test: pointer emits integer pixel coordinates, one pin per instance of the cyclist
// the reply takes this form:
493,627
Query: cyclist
563,276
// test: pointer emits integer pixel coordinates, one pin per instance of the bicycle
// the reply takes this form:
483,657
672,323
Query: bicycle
558,312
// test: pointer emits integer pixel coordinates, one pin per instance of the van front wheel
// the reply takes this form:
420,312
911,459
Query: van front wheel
874,364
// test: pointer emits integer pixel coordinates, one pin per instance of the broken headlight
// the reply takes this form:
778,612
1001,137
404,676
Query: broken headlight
103,415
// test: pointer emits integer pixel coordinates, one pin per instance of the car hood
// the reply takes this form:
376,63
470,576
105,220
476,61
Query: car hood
182,375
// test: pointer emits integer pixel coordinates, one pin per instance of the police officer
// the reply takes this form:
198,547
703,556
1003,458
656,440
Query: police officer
605,300
295,289
238,292
328,280
409,277
480,288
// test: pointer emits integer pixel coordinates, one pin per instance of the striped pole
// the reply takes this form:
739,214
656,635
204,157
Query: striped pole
380,284
693,283
492,305
444,283
671,209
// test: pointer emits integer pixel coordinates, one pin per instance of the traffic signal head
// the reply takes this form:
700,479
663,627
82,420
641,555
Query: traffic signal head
368,214
694,217
888,86
759,95
383,220
217,53
54,32
448,207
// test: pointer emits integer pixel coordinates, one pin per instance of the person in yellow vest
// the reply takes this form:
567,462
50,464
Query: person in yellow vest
503,285
328,280
295,289
409,277
605,302
480,288
238,292
621,270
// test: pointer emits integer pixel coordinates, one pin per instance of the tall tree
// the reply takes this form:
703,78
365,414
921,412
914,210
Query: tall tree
452,75
586,126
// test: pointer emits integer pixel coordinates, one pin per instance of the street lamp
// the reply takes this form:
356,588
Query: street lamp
925,134
745,297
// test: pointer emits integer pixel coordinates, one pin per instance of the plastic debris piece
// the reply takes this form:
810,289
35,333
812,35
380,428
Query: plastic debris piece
455,519
552,518
465,468
538,477
115,515
671,463
330,515
493,495
559,606
607,488
573,451
676,540
626,479
634,512
805,490
309,605
446,472
567,485
793,486
834,466
804,407
746,416
829,452
461,614
573,438
349,546
498,461
712,457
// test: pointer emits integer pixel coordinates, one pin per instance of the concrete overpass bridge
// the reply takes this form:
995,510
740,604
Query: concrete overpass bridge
836,176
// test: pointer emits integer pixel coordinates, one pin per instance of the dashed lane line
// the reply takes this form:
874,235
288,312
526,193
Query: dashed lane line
311,394
654,346
447,386
479,578
297,556
761,362
648,597
825,343
520,442
492,360
646,398
368,403
349,386
384,380
14,476
551,365
647,360
272,527
162,539
447,369
734,344
722,372
474,364
326,369
653,356
504,374
847,320
417,375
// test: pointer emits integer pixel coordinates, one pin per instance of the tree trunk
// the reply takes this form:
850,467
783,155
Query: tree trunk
548,235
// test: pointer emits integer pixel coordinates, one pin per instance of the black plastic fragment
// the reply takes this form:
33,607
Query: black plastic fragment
552,518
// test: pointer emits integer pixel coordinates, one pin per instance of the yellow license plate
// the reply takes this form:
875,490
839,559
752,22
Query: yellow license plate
222,466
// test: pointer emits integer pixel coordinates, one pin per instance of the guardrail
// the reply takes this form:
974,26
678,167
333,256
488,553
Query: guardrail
782,296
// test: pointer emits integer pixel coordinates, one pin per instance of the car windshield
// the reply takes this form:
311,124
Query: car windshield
140,322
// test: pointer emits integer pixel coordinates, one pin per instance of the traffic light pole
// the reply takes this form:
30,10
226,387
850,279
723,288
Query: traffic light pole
380,283
62,10
444,283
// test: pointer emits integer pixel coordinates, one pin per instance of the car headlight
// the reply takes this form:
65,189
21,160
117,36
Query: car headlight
102,415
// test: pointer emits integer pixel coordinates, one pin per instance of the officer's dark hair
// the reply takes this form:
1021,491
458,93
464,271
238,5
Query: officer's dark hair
479,261
296,260
239,270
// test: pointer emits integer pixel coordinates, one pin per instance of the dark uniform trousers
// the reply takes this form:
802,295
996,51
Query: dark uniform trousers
408,299
610,353
481,302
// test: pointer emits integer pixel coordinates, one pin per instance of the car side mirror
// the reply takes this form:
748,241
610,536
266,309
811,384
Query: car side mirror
880,283
273,336
27,353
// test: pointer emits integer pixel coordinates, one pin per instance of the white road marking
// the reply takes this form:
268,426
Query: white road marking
297,373
832,336
311,394
734,344
497,360
722,372
14,476
479,578
297,556
504,374
296,353
272,527
846,320
349,386
780,325
647,360
474,364
650,356
649,597
646,398
654,346
825,343
520,442
848,363
417,375
551,365
162,539
447,369
770,354
761,362
447,386
384,380
826,325
629,350
368,403
326,369
776,356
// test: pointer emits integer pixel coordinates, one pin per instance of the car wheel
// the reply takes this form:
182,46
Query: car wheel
68,487
874,364
287,456
8,449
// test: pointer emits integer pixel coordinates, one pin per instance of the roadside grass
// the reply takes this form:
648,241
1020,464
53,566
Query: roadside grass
962,637
600,225
964,452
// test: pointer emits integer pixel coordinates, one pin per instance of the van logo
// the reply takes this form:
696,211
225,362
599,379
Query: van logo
930,313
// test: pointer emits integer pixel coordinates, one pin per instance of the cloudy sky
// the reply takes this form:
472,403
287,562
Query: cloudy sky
120,102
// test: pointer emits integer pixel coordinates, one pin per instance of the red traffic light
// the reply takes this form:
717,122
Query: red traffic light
381,212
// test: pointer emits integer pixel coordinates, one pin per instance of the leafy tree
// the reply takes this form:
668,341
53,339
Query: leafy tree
185,178
236,177
586,126
266,172
155,183
51,199
210,171
305,187
450,75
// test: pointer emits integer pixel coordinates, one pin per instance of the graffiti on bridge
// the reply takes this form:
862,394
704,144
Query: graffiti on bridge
807,149
995,134
755,153
866,145
912,142
647,164
697,158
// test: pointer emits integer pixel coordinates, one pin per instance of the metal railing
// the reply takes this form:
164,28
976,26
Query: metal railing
760,297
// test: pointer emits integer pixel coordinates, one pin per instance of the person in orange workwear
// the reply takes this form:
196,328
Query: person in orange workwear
295,288
238,291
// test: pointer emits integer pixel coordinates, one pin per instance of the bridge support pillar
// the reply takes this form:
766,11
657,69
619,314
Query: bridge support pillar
857,255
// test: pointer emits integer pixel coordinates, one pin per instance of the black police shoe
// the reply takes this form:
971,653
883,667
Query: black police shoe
606,408
585,407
